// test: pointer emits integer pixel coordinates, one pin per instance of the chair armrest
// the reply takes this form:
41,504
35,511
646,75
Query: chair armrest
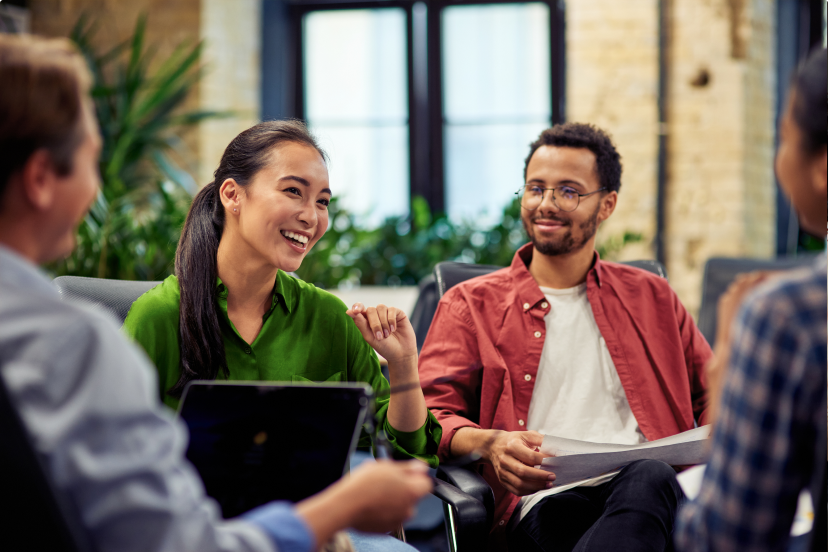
466,518
471,483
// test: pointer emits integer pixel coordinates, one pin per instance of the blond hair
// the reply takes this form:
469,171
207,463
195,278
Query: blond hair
45,83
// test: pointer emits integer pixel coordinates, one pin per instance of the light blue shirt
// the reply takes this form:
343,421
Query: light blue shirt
88,399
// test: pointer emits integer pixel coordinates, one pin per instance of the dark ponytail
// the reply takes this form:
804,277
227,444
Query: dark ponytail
200,339
810,107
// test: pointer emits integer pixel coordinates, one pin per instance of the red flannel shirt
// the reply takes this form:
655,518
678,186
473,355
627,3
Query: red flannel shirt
484,347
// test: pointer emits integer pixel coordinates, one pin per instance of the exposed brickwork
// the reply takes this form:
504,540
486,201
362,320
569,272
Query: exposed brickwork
720,198
232,39
168,25
612,82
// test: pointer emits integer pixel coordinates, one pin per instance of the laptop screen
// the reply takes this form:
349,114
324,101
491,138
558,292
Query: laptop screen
256,442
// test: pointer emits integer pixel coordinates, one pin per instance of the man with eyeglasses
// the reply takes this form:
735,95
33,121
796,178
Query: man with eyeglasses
563,343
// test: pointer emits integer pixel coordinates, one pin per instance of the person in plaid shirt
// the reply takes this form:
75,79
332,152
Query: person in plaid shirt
769,439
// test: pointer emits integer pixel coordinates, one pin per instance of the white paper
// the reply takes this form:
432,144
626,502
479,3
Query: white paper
574,460
691,480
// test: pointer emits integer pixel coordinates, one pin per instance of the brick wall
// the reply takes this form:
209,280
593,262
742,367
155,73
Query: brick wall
720,196
721,190
612,82
232,45
168,25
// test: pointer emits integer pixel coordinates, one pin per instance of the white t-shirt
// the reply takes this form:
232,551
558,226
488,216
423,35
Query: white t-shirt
578,394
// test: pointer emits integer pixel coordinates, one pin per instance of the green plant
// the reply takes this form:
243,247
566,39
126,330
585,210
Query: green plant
403,250
133,227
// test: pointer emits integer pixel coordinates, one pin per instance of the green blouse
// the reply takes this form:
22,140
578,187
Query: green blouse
305,336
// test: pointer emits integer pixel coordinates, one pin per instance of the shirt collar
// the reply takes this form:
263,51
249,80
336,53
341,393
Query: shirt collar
19,271
528,289
283,293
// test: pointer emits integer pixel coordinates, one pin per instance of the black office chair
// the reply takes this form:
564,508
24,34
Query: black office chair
719,272
35,517
114,296
424,309
468,502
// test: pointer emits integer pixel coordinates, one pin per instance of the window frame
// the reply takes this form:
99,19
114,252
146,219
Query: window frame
283,76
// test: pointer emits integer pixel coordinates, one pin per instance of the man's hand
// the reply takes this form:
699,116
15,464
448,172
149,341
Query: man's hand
513,454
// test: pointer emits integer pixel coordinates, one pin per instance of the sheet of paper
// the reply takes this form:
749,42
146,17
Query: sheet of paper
575,460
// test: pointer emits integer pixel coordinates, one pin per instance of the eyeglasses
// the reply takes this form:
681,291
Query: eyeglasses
564,197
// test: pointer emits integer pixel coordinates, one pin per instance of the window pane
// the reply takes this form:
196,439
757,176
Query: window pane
497,100
485,168
357,105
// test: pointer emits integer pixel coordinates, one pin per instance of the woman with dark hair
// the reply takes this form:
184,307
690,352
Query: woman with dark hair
769,437
232,311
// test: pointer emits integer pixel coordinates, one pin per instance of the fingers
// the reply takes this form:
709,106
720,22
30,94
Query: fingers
374,323
355,310
533,439
525,454
379,322
522,479
515,459
392,319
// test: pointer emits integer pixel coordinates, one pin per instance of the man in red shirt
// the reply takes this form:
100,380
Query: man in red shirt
565,344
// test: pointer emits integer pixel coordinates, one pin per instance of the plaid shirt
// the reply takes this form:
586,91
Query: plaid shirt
769,440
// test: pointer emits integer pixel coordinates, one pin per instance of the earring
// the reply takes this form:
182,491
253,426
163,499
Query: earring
234,210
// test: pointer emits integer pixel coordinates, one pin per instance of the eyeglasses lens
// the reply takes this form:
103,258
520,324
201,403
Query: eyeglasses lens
564,198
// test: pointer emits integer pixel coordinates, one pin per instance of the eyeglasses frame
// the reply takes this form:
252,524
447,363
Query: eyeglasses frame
523,189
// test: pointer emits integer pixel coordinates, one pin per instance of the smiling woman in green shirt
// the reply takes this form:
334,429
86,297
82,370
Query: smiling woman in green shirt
232,312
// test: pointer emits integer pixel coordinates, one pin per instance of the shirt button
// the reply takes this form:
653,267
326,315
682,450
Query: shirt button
527,377
544,305
501,522
247,350
521,422
526,306
537,334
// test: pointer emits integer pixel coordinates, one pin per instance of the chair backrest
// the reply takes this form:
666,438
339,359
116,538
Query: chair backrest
424,309
34,517
719,272
449,273
115,296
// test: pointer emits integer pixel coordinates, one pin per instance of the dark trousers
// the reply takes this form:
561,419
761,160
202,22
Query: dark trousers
633,512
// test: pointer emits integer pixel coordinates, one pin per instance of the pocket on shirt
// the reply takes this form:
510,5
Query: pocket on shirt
335,377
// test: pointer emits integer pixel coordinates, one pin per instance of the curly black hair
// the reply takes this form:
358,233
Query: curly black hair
582,135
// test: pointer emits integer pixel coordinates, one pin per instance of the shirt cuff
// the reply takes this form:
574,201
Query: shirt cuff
421,443
285,528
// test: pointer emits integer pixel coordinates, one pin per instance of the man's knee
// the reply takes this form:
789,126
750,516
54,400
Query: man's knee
651,474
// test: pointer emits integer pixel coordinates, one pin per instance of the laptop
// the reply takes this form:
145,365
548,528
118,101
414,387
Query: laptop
253,442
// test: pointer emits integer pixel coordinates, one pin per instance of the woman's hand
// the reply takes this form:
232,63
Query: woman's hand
387,330
728,307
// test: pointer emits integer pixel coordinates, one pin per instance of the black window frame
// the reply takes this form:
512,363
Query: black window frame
283,78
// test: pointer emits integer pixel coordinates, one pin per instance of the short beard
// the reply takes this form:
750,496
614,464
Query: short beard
566,244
